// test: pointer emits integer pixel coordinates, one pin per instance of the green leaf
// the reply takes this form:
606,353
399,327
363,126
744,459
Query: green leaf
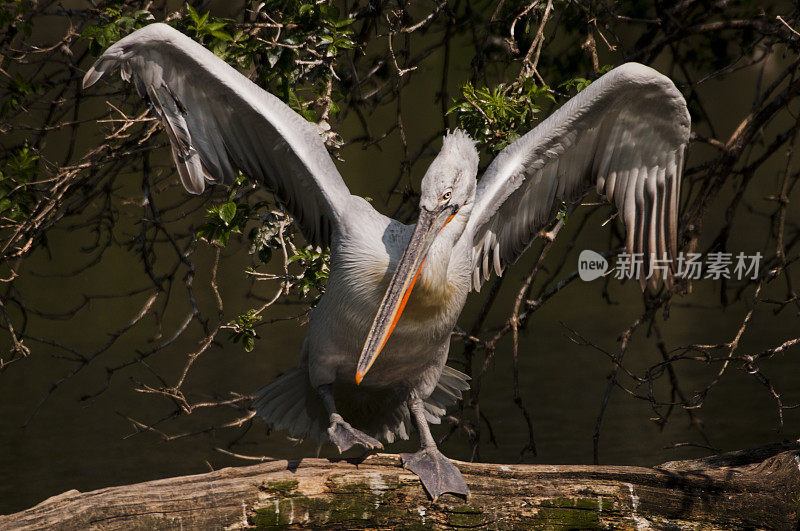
192,13
221,35
344,43
214,26
227,212
344,22
562,213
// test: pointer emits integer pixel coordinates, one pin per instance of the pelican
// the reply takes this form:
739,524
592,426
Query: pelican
373,363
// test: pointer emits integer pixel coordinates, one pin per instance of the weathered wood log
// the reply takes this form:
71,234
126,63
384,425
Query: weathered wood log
755,488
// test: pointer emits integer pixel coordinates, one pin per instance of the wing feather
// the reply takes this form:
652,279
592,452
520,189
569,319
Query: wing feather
625,135
219,123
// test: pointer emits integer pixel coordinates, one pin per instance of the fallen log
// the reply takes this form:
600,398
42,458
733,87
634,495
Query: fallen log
758,488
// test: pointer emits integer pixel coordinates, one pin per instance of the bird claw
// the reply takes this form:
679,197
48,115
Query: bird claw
344,436
437,473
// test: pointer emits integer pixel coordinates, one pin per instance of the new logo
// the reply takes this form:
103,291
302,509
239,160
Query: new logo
591,265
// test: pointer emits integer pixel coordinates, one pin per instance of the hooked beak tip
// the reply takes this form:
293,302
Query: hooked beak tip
359,377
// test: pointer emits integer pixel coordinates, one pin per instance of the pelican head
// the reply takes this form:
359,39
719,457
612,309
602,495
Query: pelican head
454,170
448,185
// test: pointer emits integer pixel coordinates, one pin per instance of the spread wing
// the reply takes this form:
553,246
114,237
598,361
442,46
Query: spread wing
625,135
219,123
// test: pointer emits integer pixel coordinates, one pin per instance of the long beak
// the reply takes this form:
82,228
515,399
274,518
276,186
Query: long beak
396,297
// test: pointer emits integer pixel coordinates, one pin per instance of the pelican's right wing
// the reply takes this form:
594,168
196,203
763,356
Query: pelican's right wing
625,135
219,123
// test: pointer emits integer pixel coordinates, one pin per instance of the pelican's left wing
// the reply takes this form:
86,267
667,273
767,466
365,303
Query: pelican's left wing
625,134
219,123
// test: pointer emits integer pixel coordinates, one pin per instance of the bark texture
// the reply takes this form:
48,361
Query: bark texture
751,488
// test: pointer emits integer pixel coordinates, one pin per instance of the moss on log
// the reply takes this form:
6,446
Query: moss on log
754,488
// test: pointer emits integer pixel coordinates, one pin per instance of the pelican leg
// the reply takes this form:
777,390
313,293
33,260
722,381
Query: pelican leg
437,473
341,433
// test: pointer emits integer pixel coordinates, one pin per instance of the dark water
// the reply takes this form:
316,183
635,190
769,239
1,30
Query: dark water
85,445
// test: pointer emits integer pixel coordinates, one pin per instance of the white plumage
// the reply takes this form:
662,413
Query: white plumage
624,135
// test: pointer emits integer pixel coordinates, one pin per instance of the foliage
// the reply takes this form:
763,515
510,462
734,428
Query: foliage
300,60
577,84
220,36
16,198
265,236
233,216
19,89
316,264
499,115
244,329
222,220
115,23
561,215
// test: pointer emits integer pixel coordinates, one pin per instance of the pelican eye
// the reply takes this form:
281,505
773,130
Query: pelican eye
445,196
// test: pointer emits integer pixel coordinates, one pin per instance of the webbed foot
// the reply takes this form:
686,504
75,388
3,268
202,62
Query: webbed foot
344,436
437,473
